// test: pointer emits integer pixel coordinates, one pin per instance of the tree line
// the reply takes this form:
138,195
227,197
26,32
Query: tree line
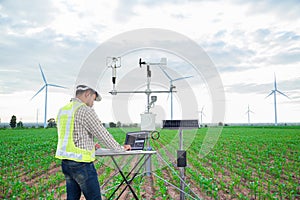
51,123
14,124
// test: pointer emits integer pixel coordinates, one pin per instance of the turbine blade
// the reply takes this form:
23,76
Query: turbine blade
168,97
249,111
167,75
53,85
202,110
283,94
38,92
177,79
44,78
270,94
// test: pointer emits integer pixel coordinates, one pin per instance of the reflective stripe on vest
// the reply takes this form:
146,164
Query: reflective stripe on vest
66,148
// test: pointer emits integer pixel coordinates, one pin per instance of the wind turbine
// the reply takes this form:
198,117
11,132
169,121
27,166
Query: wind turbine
37,118
201,114
46,93
248,113
172,86
274,93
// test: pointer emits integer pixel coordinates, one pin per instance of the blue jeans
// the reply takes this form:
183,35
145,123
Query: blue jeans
81,177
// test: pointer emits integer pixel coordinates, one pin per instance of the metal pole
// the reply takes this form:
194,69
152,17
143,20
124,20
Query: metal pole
181,169
45,115
275,107
148,91
171,104
148,162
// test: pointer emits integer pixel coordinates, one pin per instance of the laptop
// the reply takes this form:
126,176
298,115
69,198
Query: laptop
136,139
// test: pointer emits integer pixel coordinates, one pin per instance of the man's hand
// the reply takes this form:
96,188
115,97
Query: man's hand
127,147
97,146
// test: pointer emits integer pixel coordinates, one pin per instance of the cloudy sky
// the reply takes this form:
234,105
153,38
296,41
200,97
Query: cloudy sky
248,42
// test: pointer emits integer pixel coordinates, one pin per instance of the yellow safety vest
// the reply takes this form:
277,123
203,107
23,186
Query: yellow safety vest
66,148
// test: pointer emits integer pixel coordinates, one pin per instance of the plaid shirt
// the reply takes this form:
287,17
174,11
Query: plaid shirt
87,125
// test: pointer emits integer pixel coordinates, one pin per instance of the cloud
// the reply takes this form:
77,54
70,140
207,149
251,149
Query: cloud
239,68
287,87
59,55
124,10
282,9
286,57
261,35
248,49
20,16
132,8
225,55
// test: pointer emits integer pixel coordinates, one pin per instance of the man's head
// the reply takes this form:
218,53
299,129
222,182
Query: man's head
87,95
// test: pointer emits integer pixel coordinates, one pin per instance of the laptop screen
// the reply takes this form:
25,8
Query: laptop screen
136,139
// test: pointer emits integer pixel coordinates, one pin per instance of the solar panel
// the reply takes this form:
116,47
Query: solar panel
176,124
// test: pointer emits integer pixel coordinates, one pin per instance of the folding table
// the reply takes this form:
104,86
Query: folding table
144,156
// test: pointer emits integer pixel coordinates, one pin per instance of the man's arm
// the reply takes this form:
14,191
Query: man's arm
96,128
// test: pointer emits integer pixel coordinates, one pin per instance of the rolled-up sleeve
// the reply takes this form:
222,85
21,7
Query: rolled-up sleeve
95,127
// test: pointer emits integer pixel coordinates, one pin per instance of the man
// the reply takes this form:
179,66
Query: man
77,126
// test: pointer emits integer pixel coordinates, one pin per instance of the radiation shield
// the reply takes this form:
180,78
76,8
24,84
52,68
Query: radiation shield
148,122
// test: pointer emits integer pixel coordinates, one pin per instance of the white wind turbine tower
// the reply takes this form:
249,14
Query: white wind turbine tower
172,86
274,93
46,94
248,113
201,114
37,118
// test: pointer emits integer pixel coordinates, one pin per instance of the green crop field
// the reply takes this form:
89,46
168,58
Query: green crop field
245,163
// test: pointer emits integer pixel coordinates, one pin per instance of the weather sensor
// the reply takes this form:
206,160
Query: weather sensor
113,63
147,118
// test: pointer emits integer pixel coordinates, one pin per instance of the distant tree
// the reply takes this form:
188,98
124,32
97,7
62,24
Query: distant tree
119,124
20,124
135,125
112,125
51,123
220,124
13,121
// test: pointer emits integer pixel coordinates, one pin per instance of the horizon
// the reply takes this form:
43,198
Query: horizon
41,124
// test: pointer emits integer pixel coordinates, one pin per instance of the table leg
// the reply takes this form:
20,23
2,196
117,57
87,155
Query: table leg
125,178
128,182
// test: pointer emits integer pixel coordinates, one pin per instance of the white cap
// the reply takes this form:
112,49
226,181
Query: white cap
84,87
